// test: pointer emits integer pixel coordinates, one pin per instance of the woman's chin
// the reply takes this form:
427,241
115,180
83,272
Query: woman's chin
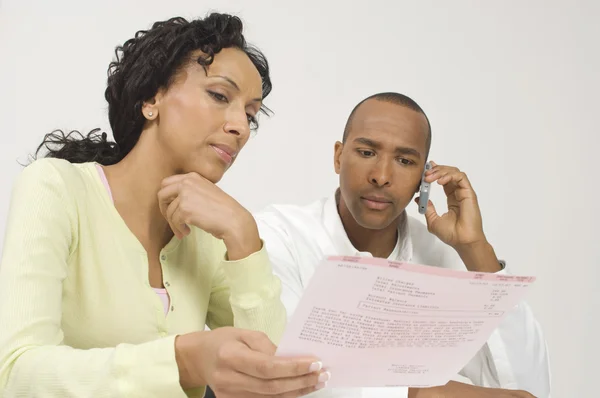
213,173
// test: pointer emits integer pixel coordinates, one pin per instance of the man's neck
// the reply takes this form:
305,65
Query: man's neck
378,242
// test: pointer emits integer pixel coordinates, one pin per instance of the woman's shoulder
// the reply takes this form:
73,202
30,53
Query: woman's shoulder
51,177
55,170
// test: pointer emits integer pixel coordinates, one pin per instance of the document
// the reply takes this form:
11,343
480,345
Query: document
380,323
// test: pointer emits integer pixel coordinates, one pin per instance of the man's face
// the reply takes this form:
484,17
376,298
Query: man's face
381,163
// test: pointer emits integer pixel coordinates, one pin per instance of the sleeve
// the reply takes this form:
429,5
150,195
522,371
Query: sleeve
281,250
41,233
247,295
515,356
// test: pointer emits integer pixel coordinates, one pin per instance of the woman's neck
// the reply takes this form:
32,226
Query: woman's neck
135,182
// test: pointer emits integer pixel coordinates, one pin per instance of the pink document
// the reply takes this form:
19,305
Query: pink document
377,323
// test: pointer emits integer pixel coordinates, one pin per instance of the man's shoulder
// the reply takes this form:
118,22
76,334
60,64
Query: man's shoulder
291,214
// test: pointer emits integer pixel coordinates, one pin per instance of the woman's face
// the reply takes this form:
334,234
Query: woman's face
203,119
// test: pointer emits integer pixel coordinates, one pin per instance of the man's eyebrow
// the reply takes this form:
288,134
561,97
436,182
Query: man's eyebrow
368,142
376,145
408,151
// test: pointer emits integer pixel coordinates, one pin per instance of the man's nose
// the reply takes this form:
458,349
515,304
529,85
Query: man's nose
381,173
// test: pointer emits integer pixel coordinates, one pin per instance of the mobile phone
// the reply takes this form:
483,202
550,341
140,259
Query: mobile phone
424,191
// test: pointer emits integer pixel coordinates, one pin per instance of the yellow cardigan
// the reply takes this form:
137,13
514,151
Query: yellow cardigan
78,317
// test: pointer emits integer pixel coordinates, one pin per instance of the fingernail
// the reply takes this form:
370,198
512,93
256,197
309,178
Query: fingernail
315,367
320,386
325,376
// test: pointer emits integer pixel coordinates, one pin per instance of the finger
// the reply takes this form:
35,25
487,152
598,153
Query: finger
451,178
457,177
278,367
177,178
290,394
303,392
461,180
174,179
431,214
180,229
168,214
435,166
273,387
166,195
259,342
264,366
166,198
444,178
438,171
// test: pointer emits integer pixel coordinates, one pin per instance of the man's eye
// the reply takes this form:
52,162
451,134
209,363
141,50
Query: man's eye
366,153
405,161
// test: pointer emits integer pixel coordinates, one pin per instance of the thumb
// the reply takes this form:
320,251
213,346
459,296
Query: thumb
431,215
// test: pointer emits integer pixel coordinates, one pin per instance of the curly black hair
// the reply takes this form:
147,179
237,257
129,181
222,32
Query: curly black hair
144,64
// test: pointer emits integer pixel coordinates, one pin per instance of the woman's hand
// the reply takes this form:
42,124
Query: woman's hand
190,199
241,363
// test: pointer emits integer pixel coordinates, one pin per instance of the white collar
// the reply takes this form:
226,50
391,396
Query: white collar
403,251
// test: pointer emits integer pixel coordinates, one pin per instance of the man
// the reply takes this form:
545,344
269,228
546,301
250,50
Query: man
380,162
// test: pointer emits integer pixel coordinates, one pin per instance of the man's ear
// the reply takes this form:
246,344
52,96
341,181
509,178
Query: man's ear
337,154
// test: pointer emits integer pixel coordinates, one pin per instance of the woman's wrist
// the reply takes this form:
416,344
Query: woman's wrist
243,238
189,377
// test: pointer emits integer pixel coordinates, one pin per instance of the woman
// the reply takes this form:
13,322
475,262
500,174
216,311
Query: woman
118,253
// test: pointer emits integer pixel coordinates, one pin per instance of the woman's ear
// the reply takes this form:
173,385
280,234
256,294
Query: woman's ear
150,107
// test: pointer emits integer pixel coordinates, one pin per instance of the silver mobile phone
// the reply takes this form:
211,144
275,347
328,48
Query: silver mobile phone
424,191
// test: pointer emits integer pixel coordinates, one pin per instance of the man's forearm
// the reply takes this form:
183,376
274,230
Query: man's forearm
479,257
455,389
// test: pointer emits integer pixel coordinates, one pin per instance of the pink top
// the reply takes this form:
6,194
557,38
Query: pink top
162,293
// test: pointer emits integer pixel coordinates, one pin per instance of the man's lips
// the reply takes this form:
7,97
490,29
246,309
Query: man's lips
376,202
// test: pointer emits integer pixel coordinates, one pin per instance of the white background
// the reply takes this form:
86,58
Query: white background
511,88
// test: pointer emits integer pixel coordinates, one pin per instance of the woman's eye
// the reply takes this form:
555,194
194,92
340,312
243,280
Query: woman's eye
252,122
218,97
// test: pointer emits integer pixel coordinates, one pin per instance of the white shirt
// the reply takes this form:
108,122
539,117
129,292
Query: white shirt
297,238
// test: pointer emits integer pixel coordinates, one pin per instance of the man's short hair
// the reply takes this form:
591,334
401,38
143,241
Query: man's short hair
393,98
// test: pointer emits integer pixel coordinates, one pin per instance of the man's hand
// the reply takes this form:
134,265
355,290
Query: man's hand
460,390
190,199
461,227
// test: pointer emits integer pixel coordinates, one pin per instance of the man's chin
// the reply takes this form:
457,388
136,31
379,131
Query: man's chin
374,223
